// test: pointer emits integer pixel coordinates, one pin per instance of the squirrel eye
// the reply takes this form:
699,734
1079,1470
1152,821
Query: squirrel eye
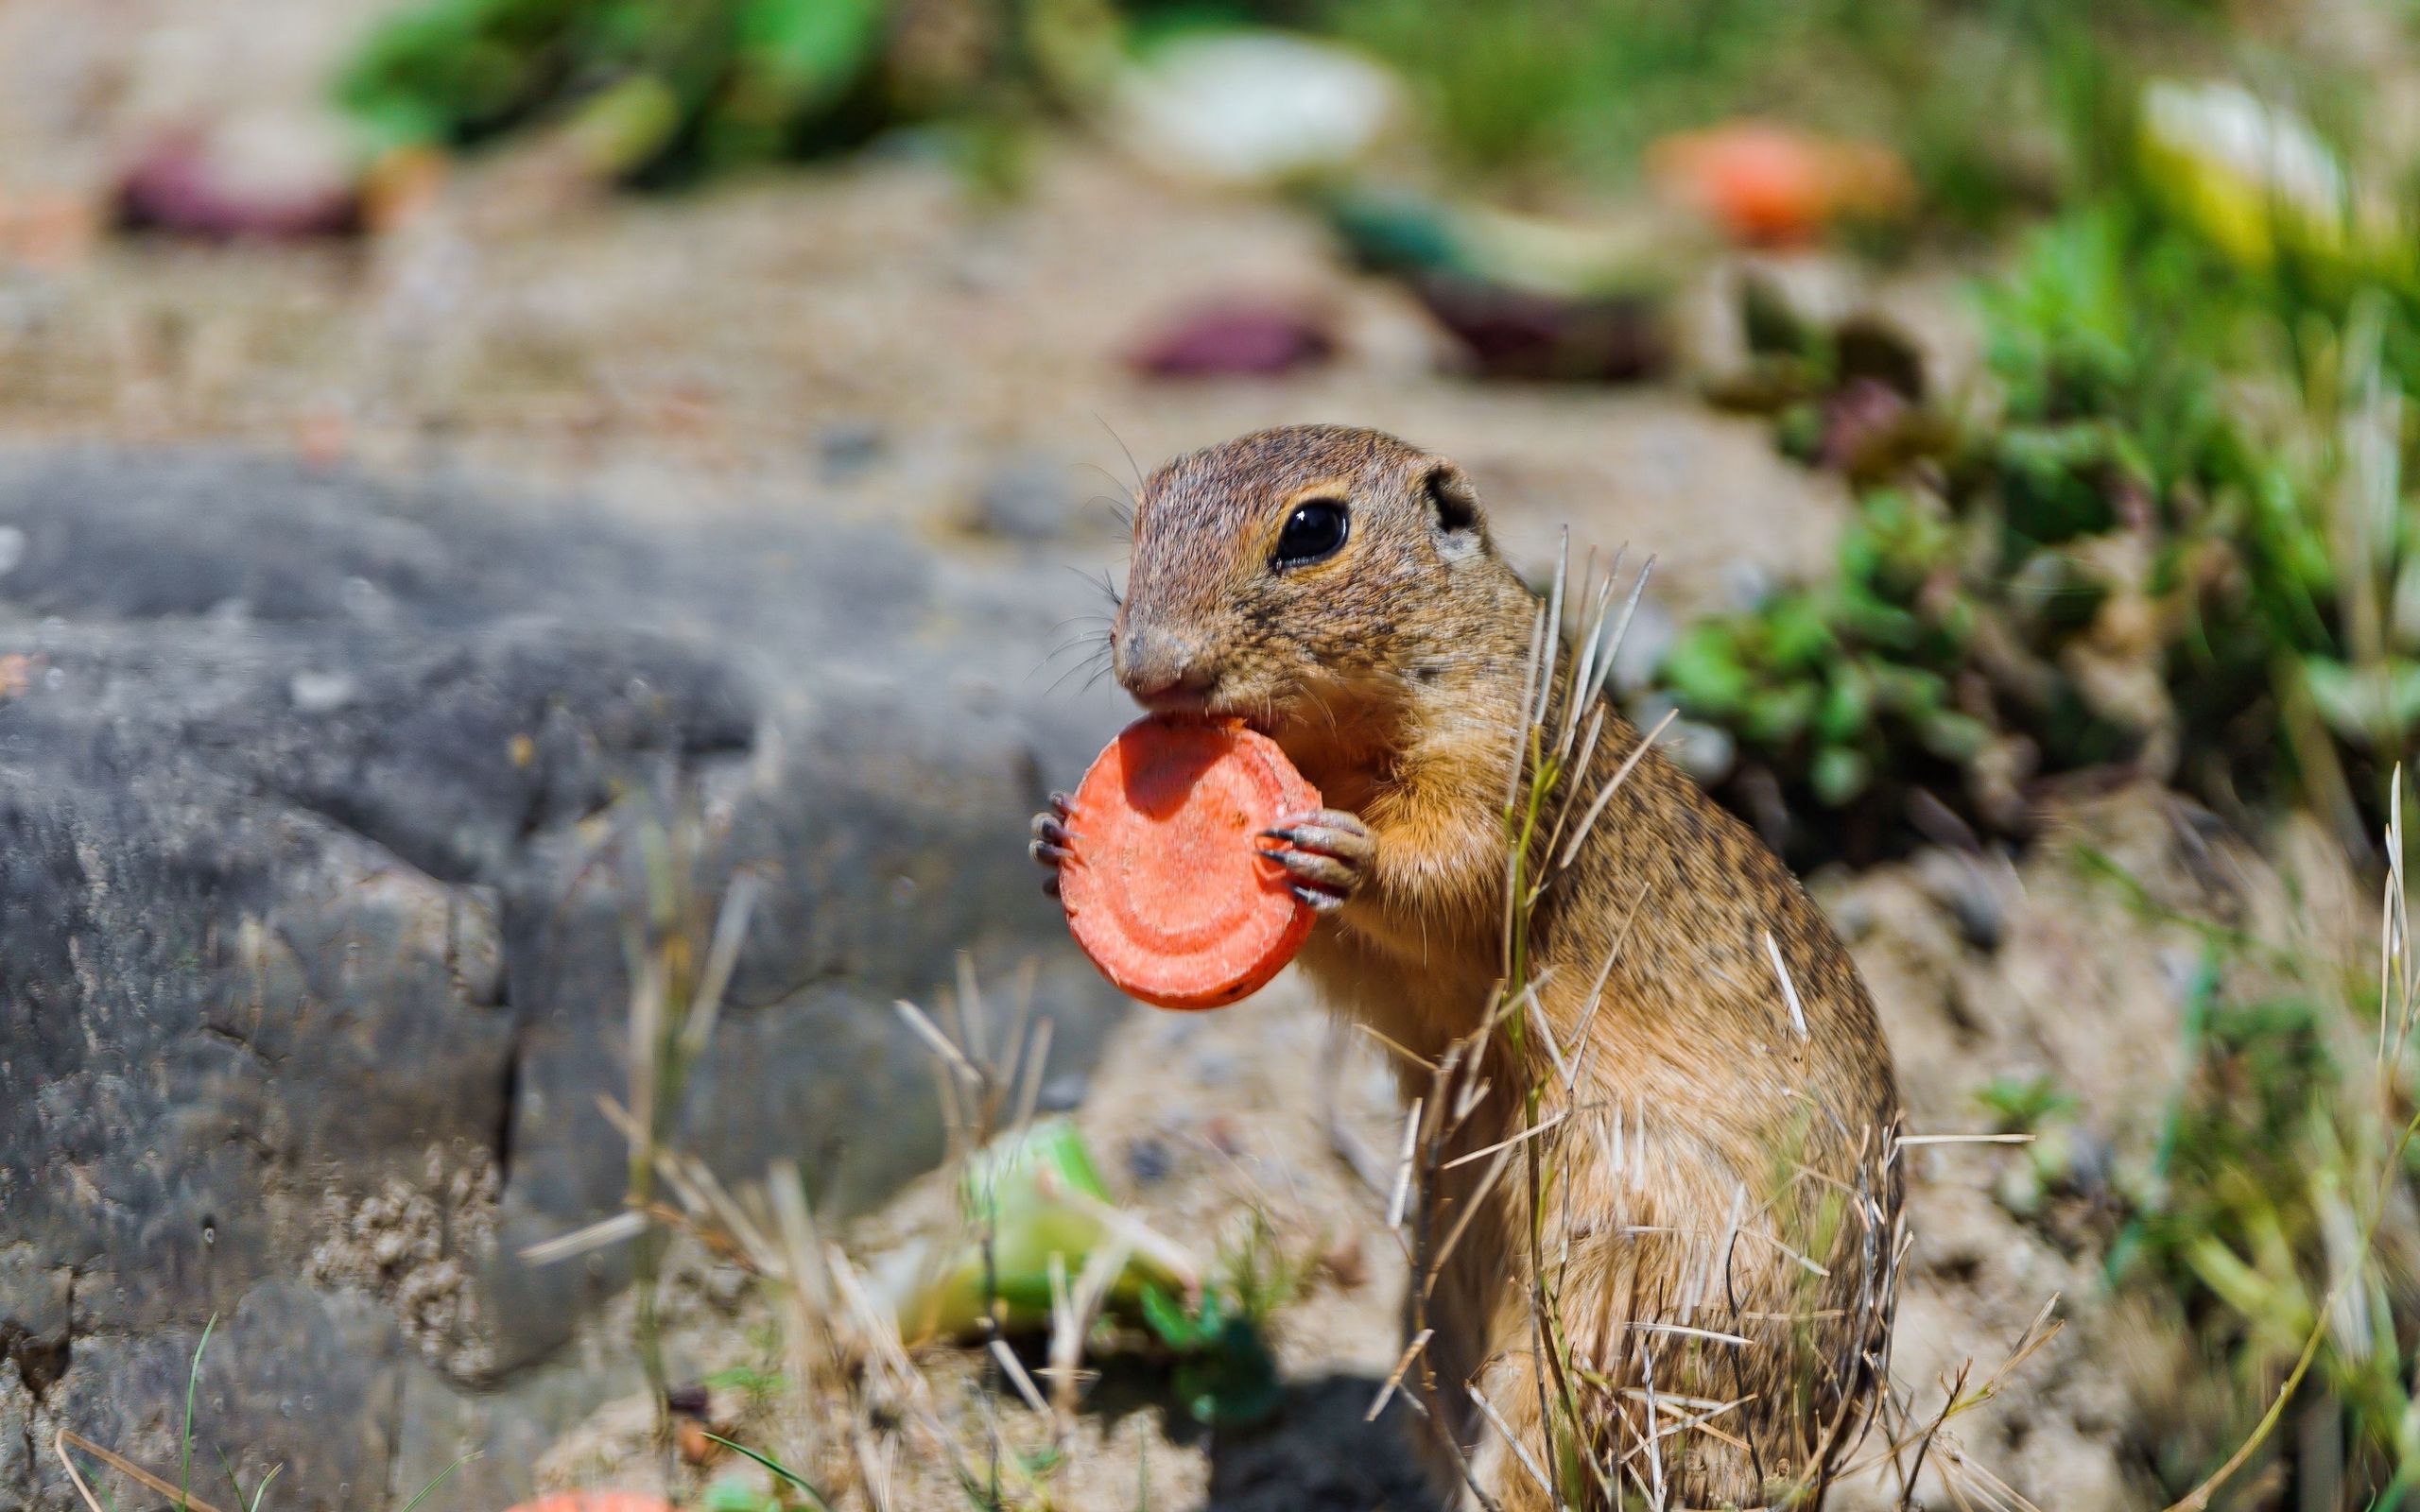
1314,531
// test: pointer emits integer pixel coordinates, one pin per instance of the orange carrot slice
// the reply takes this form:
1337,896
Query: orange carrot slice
1169,889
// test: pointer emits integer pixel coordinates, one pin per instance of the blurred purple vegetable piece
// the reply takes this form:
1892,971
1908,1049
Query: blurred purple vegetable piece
1235,337
233,185
1519,334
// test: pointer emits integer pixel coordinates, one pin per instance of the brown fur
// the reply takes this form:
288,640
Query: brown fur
1393,674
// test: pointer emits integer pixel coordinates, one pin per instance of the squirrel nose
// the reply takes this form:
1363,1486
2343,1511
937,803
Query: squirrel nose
1163,671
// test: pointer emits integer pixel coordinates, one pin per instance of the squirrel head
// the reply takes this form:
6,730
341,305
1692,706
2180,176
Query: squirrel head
1300,571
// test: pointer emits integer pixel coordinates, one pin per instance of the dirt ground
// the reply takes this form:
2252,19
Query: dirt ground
869,341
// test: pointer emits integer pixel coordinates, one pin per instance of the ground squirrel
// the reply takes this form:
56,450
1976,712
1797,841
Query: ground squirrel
1738,1195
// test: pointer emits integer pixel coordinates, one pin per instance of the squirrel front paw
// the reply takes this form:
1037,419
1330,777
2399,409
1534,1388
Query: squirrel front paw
1327,853
1049,848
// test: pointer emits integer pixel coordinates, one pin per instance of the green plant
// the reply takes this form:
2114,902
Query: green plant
2181,543
781,1472
1225,1374
2275,1222
2036,1107
660,91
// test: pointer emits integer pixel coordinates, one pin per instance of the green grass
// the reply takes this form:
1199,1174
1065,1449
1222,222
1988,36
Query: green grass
2270,1226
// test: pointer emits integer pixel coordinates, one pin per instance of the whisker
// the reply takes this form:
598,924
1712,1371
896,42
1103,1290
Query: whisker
1097,663
1123,447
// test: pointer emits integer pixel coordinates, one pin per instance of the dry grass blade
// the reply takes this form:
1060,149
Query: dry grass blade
1520,1450
722,958
801,1247
619,1228
2034,1337
1100,1272
1394,1377
1575,778
127,1468
1402,1166
75,1475
973,1020
1472,1206
1788,988
1687,1332
1621,775
1554,627
1399,1048
1015,1370
1537,1014
938,1042
1037,1058
1583,667
1131,1231
1522,730
648,989
1522,1138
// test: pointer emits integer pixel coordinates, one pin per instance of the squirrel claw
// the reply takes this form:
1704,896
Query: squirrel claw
1051,837
1053,842
1320,901
1326,854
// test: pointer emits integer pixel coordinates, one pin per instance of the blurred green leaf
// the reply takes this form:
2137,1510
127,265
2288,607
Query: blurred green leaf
2368,705
1839,774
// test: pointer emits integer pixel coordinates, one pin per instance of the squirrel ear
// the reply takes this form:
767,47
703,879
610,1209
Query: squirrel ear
1452,497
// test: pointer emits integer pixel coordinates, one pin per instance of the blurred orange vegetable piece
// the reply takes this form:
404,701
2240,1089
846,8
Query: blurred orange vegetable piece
1169,889
597,1501
1769,185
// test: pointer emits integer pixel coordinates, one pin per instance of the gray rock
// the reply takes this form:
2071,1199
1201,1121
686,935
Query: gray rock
322,836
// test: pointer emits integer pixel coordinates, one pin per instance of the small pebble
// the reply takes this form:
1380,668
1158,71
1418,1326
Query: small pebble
849,447
1149,1162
